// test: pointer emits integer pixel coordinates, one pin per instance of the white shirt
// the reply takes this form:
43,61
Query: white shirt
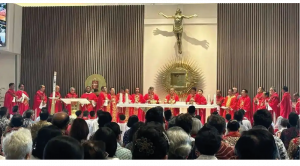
90,124
37,119
247,124
123,128
206,157
94,126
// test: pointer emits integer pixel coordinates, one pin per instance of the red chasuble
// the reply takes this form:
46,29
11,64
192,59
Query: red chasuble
38,98
259,96
91,97
262,104
237,94
202,111
273,102
101,100
172,100
286,105
58,103
245,104
230,102
297,108
69,106
192,98
151,97
219,102
112,106
9,96
23,106
138,98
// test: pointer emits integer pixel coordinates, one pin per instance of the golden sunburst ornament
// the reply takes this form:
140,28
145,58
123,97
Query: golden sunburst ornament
180,73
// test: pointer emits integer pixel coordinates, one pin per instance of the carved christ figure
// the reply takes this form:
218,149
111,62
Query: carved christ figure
178,27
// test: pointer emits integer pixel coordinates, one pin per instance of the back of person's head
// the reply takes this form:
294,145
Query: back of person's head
256,144
85,113
15,109
284,122
262,117
154,114
99,112
65,111
17,144
44,115
94,150
233,125
61,120
104,118
180,143
44,135
238,115
185,121
242,112
168,115
208,140
192,110
92,114
196,126
16,120
79,129
122,117
106,135
63,147
50,117
198,117
285,88
115,128
28,114
228,117
157,125
150,143
3,112
215,113
218,122
78,113
133,130
293,119
132,120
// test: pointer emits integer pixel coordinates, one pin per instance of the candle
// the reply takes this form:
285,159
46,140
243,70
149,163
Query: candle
215,99
208,100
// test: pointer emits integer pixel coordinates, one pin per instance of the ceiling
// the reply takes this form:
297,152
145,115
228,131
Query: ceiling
91,4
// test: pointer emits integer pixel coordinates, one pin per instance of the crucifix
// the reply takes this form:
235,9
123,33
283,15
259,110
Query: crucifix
178,27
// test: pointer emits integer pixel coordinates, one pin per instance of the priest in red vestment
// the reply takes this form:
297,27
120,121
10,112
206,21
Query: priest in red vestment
71,94
229,104
219,102
274,103
91,97
151,97
244,103
257,98
125,97
112,105
23,99
201,101
138,98
286,103
263,102
236,93
57,101
102,102
40,100
192,97
10,98
172,98
296,106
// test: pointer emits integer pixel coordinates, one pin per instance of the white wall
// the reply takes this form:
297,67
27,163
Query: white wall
158,48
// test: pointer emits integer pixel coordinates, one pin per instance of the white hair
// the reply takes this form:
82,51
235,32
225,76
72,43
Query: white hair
180,143
18,144
196,126
72,88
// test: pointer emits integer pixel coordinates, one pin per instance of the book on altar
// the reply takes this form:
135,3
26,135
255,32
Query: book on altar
223,107
105,103
42,105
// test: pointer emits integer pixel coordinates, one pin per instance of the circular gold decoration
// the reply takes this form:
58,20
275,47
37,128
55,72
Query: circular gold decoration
180,73
95,81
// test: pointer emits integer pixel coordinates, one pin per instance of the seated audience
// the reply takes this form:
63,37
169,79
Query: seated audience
208,142
132,131
94,150
123,125
263,119
15,110
79,114
131,121
85,115
233,134
16,123
4,122
256,144
50,117
95,125
293,150
28,118
196,126
61,120
90,121
38,125
198,117
154,114
245,121
238,116
168,116
185,121
79,130
44,135
226,151
150,143
180,143
17,144
283,125
38,118
106,135
288,134
103,118
63,147
121,153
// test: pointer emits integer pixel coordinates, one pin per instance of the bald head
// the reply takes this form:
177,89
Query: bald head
61,120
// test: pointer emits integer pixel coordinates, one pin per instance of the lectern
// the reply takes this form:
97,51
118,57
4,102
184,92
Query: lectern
75,103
